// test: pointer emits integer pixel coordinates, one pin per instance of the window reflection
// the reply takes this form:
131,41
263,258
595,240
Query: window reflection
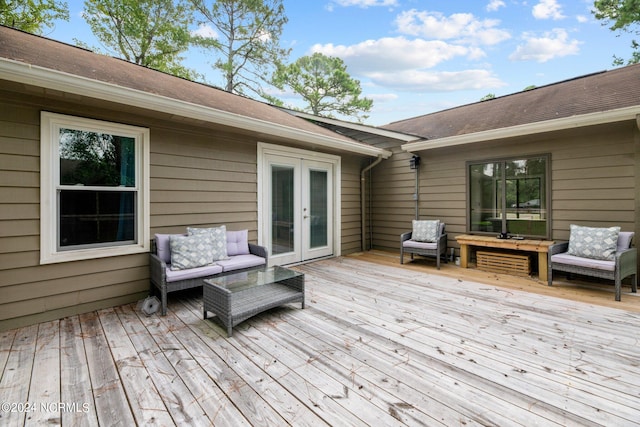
509,196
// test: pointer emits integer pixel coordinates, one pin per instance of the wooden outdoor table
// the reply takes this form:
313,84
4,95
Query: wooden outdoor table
528,245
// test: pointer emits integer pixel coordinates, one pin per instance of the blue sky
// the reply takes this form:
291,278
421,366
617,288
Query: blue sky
415,57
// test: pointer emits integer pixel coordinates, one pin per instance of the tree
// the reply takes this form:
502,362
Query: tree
151,33
323,82
488,96
624,14
248,44
32,16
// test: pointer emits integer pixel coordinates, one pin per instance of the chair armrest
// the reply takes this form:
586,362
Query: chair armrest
157,270
260,251
627,262
558,248
405,236
442,241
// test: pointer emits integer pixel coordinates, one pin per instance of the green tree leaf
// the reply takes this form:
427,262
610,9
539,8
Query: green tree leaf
151,33
326,86
32,16
248,44
621,15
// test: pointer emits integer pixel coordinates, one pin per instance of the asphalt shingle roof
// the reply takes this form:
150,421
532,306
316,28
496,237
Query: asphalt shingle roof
598,92
53,55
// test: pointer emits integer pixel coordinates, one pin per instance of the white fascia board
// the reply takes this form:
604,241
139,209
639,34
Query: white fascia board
56,80
574,122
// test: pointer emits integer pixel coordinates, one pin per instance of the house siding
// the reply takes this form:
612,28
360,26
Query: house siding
199,175
594,182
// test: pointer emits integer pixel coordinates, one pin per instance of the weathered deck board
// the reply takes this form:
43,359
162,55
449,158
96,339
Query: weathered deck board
376,345
16,376
455,352
238,389
109,395
146,403
181,404
75,381
44,387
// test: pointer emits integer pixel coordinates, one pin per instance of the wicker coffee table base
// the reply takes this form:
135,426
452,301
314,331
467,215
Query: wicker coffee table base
232,308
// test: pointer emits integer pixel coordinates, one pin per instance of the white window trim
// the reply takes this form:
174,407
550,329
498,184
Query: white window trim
50,123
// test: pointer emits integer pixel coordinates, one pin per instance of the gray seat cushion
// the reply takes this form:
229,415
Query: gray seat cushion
597,264
419,245
239,262
192,273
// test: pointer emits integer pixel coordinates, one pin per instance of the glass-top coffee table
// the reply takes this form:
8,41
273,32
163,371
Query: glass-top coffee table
235,297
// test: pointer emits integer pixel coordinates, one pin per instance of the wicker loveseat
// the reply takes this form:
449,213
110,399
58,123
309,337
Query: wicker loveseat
240,255
433,246
621,262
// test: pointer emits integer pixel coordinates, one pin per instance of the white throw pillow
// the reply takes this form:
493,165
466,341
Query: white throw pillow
218,238
190,251
594,243
425,230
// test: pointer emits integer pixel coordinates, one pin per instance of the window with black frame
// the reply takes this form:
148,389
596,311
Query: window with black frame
509,196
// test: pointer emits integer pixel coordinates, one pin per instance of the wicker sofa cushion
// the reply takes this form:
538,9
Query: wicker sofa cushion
595,243
426,230
419,245
163,250
218,239
624,240
191,251
239,262
192,273
598,264
238,242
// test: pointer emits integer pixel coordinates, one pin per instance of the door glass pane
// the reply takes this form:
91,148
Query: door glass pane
282,198
485,185
526,198
318,215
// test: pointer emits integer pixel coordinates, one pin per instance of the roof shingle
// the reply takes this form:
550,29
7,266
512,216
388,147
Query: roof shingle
597,92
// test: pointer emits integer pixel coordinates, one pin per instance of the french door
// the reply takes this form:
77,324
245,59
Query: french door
298,211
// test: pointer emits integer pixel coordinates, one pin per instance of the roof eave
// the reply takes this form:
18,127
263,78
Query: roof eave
401,136
56,80
573,122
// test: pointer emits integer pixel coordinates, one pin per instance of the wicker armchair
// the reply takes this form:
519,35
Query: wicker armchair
624,265
437,249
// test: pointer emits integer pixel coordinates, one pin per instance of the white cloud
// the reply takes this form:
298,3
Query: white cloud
398,53
363,3
441,81
548,9
495,5
383,97
206,31
463,27
582,19
553,44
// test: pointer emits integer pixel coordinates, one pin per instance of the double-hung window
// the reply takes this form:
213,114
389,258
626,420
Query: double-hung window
509,195
94,188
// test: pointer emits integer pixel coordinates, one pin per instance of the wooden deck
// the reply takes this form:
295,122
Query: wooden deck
378,344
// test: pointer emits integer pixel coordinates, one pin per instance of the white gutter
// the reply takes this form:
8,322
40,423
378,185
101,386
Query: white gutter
590,119
56,80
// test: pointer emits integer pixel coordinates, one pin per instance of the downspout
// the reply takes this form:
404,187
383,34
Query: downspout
363,209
